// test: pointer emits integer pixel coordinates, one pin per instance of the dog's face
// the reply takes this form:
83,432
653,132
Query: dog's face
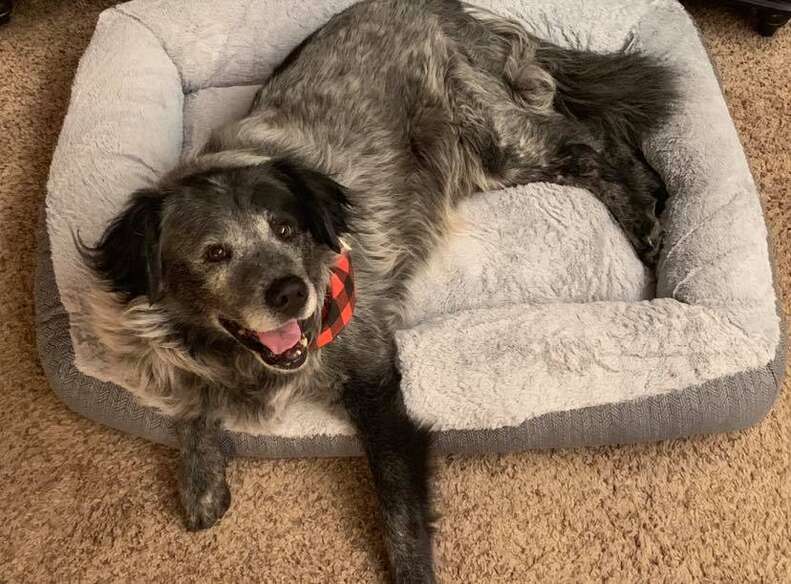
244,251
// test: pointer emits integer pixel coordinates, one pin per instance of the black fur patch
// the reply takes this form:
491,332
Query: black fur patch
625,95
127,255
323,202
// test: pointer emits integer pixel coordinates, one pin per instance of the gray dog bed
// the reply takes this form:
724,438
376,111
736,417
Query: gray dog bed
536,326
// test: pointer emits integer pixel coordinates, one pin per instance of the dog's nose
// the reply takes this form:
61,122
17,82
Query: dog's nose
287,295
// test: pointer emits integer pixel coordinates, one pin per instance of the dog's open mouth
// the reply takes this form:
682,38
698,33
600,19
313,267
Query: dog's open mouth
285,347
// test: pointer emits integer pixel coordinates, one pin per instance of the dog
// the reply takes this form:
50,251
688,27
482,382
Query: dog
214,286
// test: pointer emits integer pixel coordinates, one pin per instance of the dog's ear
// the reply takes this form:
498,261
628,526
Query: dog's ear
128,256
323,201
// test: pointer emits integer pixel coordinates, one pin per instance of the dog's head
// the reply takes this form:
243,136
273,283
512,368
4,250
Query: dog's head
241,251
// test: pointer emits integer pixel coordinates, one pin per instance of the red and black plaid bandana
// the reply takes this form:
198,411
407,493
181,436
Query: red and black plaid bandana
339,302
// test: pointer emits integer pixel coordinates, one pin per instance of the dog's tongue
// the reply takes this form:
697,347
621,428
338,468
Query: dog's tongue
281,339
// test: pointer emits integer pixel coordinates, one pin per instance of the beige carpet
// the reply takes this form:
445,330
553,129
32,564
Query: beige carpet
79,502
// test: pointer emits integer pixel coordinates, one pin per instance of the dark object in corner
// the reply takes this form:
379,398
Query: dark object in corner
769,21
6,6
770,14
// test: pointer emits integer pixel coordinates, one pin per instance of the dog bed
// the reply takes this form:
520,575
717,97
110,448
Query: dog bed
535,326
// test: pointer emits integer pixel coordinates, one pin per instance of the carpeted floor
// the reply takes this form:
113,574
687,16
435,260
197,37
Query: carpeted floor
83,503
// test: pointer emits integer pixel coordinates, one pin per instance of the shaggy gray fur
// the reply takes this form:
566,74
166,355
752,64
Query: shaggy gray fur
369,133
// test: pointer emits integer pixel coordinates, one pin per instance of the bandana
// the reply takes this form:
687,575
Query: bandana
339,302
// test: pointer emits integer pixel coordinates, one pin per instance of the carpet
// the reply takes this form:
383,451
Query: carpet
80,502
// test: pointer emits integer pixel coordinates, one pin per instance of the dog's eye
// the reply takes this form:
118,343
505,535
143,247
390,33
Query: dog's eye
217,253
284,230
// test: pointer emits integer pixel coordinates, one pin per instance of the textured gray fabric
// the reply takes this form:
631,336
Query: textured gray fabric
572,351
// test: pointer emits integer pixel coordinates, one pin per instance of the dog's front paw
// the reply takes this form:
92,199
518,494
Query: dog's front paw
416,576
204,502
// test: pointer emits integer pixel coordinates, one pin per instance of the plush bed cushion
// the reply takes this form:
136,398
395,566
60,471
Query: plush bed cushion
534,326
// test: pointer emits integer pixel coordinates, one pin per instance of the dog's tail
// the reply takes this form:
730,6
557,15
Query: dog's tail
627,95
624,95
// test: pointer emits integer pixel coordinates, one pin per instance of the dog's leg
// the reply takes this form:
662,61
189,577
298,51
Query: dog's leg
519,102
518,147
631,194
397,453
629,189
205,496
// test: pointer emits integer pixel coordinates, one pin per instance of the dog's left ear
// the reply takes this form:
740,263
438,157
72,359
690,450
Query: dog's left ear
324,202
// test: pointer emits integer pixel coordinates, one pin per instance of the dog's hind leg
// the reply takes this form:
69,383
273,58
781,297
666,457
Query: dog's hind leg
528,111
519,147
628,187
571,106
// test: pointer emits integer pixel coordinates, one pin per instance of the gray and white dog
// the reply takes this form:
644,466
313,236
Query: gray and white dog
362,142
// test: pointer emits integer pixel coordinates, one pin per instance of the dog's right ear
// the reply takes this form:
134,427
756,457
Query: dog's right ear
127,256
